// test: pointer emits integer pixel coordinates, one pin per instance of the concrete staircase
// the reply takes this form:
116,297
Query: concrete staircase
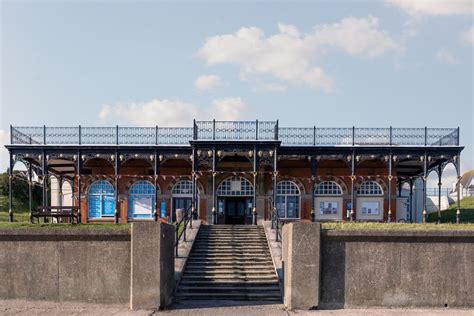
230,262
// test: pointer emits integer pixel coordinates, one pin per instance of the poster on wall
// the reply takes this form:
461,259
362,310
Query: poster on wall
142,206
163,209
370,208
328,208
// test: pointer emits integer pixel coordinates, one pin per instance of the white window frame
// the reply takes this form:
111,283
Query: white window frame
289,194
369,188
224,188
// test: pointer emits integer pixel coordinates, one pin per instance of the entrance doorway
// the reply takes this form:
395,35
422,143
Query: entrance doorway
235,210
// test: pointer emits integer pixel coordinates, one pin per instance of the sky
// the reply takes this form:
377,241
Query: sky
325,63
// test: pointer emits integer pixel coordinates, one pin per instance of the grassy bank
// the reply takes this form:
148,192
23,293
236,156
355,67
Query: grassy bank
449,215
395,226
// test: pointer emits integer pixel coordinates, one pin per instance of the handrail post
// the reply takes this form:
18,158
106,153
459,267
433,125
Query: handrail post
116,134
213,129
256,129
426,136
314,135
11,134
80,135
457,141
156,134
44,134
353,135
276,130
195,130
390,135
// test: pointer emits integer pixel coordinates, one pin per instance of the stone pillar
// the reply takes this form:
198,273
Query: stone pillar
152,265
301,265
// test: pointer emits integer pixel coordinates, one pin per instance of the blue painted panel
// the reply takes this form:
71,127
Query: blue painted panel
94,206
101,200
108,205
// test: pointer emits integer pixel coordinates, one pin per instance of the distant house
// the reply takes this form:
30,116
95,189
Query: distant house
466,185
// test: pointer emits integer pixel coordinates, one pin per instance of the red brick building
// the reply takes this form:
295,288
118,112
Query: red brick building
227,172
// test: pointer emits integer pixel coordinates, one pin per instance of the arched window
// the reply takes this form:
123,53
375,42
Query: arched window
183,187
181,197
328,188
141,200
101,200
370,188
288,200
235,186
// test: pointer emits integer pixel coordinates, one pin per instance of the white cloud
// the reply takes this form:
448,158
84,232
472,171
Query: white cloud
172,112
291,56
207,82
468,35
228,109
275,87
445,56
3,151
434,7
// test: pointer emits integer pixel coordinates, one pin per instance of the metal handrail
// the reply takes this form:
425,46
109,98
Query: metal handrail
234,130
276,224
187,218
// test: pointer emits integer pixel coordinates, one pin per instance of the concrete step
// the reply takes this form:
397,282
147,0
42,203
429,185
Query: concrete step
230,296
263,277
230,282
219,272
227,288
191,263
202,267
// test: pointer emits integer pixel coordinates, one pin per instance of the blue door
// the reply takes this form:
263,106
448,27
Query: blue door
101,200
141,200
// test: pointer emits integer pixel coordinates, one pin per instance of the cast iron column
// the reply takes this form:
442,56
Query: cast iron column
411,200
424,187
78,167
458,189
389,219
351,216
45,184
254,210
214,215
193,180
10,189
30,192
116,178
274,187
313,187
440,172
156,172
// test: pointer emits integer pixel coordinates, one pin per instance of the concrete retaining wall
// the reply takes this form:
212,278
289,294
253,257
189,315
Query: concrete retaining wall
389,268
89,265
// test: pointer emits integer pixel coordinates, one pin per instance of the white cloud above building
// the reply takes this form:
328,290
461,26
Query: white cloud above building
207,82
446,57
434,7
295,57
163,112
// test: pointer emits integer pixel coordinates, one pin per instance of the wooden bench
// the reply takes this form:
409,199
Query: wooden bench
57,212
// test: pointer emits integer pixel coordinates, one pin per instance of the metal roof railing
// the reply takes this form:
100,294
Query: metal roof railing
233,131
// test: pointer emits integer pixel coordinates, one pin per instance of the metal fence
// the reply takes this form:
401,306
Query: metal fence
234,130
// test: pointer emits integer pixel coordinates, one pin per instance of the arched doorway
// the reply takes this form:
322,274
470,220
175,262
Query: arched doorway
141,200
101,201
235,201
182,197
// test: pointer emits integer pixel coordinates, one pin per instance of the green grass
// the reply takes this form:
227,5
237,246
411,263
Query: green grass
449,215
395,226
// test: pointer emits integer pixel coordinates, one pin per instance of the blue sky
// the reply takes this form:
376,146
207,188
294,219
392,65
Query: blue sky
328,63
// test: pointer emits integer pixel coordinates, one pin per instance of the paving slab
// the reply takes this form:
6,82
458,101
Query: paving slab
47,308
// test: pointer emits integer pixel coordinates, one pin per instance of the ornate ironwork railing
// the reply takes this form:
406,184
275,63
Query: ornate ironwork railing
235,130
